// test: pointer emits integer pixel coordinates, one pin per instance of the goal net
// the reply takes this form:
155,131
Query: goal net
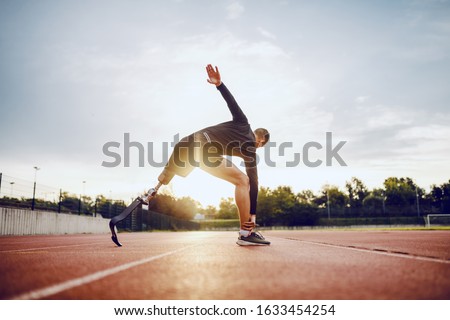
437,220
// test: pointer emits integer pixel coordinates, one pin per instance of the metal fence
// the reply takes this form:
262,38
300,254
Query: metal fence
146,220
20,193
13,187
27,196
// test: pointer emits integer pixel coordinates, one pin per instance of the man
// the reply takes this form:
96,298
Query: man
205,149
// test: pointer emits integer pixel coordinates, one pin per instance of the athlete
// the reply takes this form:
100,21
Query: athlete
206,149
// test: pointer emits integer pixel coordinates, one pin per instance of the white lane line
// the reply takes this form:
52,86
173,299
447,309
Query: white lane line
51,290
44,248
385,253
64,246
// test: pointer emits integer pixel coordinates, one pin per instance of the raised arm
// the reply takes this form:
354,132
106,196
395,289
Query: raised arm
215,79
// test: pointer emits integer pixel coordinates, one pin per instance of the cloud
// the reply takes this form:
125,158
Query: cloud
266,33
234,10
362,99
421,149
384,117
425,34
431,142
425,133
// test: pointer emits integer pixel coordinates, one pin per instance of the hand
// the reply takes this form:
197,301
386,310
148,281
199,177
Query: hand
249,226
214,75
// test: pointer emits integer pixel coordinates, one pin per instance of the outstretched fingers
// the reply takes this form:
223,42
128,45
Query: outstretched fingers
213,74
210,70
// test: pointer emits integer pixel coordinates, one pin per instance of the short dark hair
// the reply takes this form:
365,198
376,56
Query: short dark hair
261,132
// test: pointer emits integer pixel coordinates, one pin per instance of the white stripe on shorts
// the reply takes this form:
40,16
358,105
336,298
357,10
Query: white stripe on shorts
207,137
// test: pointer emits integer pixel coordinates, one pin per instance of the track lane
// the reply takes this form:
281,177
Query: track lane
52,265
285,270
295,266
433,244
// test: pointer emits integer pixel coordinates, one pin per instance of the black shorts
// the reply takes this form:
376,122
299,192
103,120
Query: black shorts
195,150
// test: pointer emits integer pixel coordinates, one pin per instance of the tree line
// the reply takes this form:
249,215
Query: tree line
399,197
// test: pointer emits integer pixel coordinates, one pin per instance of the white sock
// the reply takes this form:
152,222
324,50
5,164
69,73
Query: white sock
244,233
253,217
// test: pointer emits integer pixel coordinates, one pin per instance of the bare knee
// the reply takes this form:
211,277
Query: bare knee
243,181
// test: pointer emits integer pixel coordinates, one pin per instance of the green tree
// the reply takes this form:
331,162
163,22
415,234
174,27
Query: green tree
227,209
284,199
185,208
332,194
282,207
306,197
163,203
436,196
401,191
70,202
209,212
446,196
266,207
374,202
440,196
402,195
357,191
301,214
103,206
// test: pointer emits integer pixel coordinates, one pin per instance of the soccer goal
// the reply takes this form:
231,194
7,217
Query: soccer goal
437,220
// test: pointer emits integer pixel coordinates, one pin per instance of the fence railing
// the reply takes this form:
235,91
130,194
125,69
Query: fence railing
146,220
15,221
24,194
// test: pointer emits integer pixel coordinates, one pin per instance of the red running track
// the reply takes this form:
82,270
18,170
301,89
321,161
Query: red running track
300,265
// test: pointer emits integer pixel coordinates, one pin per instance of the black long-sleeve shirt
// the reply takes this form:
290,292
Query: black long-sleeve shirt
237,139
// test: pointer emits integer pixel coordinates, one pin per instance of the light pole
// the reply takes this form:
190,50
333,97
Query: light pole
109,203
328,205
34,188
417,202
82,198
11,183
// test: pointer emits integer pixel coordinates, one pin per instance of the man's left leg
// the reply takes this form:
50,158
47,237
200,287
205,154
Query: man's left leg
227,171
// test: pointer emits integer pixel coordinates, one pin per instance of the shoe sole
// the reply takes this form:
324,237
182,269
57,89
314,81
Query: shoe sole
247,243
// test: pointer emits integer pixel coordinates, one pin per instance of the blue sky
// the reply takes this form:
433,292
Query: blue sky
75,75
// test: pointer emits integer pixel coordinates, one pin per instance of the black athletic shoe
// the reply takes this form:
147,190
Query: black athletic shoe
254,239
